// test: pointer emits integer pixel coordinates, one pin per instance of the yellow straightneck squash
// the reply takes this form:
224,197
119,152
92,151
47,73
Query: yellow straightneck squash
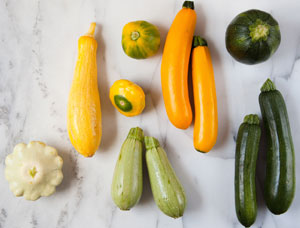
84,111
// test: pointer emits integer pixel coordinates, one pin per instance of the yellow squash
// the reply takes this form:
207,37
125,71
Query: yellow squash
128,98
84,111
205,99
174,67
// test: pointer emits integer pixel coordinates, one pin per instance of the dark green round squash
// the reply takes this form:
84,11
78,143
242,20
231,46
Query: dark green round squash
252,37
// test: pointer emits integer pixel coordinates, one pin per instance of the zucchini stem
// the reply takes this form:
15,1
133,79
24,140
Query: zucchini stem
136,133
188,5
199,41
251,119
151,142
268,86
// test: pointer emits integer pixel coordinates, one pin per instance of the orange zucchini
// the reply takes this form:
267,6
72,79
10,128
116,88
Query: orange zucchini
174,67
84,111
205,99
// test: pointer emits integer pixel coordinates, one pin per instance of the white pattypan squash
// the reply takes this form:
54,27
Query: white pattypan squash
33,170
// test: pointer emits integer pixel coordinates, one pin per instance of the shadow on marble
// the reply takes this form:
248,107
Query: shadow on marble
108,111
260,177
155,92
163,31
193,197
147,193
223,112
70,168
201,20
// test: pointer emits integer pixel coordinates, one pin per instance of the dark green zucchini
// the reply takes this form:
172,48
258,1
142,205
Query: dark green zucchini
252,36
280,174
247,145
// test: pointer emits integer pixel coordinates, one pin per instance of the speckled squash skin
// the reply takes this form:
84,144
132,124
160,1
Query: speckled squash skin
84,111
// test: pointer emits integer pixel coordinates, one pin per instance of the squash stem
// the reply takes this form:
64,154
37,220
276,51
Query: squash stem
135,35
188,5
136,133
199,41
251,119
268,86
32,172
151,142
91,31
259,30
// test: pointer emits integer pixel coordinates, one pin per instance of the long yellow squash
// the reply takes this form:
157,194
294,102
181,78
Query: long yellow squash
84,111
205,99
174,67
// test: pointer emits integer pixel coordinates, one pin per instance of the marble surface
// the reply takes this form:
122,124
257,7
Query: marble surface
38,43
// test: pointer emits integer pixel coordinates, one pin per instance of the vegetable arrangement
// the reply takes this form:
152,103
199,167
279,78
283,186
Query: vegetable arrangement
34,170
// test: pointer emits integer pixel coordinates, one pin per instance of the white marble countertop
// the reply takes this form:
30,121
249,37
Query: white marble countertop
38,43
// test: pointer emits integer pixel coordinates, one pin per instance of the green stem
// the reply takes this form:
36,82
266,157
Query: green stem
188,5
268,86
135,35
32,172
198,41
151,142
259,30
136,133
251,119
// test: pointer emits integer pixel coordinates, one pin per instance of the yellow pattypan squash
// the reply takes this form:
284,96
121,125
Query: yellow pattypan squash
127,97
33,170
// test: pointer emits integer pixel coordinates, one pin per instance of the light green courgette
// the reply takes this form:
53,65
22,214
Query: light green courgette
167,191
127,184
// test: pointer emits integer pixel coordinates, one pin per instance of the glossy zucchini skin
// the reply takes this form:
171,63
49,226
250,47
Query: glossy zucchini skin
247,145
127,184
280,174
252,37
167,191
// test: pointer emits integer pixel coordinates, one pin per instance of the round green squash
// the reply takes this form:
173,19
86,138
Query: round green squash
140,39
252,37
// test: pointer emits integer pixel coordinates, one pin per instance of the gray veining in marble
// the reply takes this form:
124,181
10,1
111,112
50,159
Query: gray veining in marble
38,43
